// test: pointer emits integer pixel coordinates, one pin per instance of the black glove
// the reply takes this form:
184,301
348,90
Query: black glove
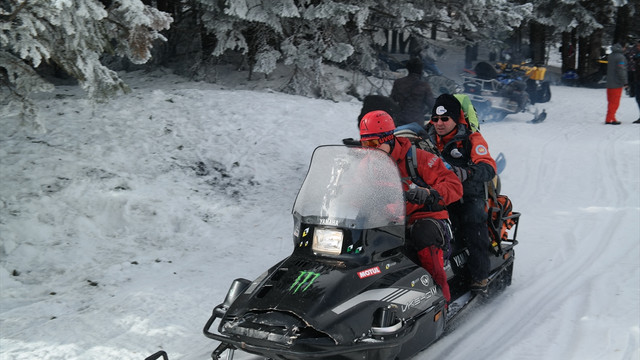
420,196
461,173
481,172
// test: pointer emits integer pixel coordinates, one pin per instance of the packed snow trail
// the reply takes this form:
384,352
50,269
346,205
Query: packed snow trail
578,194
124,225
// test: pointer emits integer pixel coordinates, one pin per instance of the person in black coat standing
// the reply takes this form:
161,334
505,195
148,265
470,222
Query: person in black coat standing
633,57
413,95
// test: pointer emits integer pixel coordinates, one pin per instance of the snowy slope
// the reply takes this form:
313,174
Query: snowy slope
124,224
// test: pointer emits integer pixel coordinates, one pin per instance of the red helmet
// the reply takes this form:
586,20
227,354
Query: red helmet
375,124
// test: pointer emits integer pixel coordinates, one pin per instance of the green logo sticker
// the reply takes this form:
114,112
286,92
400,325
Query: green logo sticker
304,280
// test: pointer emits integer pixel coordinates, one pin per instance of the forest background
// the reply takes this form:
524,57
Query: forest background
49,42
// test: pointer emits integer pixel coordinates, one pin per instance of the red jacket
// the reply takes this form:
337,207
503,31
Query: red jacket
433,171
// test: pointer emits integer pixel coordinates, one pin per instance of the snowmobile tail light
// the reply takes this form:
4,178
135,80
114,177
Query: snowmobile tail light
327,241
437,316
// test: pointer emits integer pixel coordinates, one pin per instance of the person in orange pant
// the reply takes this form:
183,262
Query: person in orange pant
616,80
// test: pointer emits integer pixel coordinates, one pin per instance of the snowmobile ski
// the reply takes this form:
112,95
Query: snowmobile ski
538,118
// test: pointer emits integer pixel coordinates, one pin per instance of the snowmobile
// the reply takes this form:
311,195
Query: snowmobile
495,96
350,289
538,89
597,79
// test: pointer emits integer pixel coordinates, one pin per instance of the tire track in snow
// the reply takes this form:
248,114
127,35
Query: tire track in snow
554,257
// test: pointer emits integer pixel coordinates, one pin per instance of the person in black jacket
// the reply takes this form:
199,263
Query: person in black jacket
633,57
378,102
467,153
413,95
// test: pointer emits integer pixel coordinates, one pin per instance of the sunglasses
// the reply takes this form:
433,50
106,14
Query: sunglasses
435,119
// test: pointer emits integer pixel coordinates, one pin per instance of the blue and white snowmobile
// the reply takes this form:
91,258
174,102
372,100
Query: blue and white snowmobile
496,95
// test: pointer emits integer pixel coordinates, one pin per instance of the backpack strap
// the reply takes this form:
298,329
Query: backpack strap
491,196
412,167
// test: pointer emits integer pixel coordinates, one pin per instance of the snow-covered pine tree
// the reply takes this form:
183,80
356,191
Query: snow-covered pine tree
567,15
72,34
307,34
480,22
585,18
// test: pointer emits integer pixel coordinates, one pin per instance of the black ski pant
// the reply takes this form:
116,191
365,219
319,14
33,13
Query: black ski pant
469,219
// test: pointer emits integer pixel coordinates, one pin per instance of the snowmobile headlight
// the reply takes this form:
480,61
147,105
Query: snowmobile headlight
327,241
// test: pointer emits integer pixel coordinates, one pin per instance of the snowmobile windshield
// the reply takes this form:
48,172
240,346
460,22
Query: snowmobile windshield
351,187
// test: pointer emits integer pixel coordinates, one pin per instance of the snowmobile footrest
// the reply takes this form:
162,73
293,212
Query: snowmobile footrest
222,348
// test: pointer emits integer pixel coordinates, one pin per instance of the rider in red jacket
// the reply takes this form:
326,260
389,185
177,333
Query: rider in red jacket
428,218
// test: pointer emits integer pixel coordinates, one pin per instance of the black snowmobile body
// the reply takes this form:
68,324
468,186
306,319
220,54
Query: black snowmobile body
348,290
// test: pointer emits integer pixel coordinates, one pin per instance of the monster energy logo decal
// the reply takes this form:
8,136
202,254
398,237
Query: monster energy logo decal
304,280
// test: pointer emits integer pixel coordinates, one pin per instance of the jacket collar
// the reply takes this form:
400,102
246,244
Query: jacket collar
457,134
400,149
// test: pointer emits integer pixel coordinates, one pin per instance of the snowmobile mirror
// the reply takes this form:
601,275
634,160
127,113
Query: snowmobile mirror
236,288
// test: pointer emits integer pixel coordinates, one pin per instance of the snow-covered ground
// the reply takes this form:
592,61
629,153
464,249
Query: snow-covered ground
124,224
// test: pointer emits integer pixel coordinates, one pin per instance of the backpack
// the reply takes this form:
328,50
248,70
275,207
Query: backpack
501,217
469,111
417,141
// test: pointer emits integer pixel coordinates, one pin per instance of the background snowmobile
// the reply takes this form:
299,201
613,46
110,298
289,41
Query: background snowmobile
348,290
498,94
538,89
596,79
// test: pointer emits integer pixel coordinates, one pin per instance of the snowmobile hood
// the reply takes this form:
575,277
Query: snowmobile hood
331,299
